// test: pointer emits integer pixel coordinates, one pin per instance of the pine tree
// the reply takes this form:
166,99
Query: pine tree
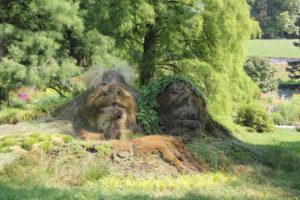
45,43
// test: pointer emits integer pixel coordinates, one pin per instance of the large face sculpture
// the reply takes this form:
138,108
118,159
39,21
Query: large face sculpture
111,107
182,112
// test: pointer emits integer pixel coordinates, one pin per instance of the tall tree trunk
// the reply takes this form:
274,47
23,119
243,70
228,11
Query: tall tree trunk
73,47
147,67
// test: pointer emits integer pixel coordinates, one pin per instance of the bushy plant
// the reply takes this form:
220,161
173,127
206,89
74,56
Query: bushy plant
46,103
29,142
256,118
277,118
261,72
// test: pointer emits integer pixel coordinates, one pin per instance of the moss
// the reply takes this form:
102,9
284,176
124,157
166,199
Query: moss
147,105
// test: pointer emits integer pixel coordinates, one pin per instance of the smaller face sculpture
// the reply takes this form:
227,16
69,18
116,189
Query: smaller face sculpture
111,108
182,112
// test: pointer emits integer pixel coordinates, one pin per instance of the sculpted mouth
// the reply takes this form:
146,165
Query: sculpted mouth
185,114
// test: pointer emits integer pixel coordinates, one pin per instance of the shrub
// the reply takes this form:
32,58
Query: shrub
277,118
48,102
256,118
261,72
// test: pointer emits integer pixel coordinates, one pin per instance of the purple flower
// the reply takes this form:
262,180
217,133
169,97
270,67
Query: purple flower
23,96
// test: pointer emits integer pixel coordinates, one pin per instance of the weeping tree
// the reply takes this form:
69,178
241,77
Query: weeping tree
203,39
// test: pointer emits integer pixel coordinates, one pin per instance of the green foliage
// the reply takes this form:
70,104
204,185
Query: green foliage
104,149
45,43
277,18
261,72
204,41
47,146
278,157
45,104
255,117
29,142
67,138
289,110
147,106
14,115
52,40
278,118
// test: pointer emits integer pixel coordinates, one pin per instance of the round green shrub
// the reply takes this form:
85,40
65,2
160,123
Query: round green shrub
262,73
255,117
277,118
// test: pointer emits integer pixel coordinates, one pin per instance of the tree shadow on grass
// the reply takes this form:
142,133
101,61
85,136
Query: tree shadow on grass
12,192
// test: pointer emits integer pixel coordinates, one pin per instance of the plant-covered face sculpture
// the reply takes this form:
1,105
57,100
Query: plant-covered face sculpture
174,105
181,111
107,108
111,109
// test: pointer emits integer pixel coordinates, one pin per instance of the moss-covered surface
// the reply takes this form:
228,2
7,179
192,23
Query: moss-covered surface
147,106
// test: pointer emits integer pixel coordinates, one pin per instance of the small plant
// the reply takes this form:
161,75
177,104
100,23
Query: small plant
67,138
29,142
104,149
47,146
256,118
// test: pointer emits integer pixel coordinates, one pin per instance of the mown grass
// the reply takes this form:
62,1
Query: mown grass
273,48
248,168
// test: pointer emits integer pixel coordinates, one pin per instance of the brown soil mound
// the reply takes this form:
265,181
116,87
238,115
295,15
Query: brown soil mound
168,148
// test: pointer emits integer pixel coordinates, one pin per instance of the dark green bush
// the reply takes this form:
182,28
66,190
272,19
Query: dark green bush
262,73
256,118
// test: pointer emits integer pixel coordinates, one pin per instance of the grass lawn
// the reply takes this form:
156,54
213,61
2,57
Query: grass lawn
233,174
273,48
